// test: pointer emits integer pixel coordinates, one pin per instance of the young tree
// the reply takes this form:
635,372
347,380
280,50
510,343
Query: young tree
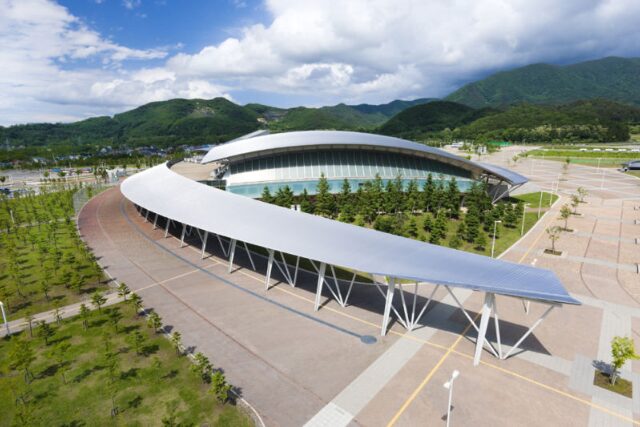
622,349
136,302
45,287
202,367
427,225
582,193
154,321
575,201
176,342
98,300
84,314
136,340
59,354
29,318
114,316
21,357
554,234
123,291
565,213
220,388
57,313
45,331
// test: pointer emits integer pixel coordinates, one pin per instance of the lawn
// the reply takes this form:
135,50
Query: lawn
533,199
634,173
608,159
43,262
76,388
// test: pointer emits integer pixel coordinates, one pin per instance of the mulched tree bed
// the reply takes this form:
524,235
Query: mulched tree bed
622,386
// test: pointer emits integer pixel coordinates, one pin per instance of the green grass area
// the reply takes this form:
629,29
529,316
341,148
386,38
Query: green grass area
621,386
43,262
533,199
77,387
609,159
634,173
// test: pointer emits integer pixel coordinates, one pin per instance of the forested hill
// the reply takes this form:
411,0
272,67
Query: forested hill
194,121
587,121
612,78
166,123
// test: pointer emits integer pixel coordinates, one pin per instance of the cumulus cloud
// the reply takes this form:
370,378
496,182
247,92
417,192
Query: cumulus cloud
323,51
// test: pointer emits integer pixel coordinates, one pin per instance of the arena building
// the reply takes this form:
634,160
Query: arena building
175,196
297,159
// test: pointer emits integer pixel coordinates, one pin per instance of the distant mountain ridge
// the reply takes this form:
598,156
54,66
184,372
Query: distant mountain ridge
612,78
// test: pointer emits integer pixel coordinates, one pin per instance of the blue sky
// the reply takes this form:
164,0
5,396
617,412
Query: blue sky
64,60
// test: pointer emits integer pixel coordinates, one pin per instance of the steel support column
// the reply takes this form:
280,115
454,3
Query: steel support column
166,228
323,268
391,287
184,230
155,222
487,308
204,244
232,252
269,268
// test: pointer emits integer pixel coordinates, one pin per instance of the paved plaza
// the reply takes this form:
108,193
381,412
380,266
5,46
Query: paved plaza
297,366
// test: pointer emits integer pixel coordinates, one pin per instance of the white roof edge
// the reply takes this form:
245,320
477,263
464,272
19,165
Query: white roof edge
171,195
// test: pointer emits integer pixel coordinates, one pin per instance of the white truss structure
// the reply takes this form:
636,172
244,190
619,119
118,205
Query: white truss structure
409,312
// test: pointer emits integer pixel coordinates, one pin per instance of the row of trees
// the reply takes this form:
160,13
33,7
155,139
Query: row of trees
25,349
394,207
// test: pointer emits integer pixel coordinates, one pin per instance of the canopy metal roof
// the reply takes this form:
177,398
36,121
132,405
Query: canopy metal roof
166,193
263,145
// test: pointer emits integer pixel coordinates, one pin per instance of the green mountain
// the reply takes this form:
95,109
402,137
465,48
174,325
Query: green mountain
341,116
432,117
166,123
616,79
591,120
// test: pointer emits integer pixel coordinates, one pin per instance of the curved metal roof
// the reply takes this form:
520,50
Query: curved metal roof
163,191
262,145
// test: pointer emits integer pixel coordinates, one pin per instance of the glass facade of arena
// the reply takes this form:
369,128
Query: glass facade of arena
301,170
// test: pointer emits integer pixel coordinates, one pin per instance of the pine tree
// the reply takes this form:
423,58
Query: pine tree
266,195
481,241
325,203
428,191
305,202
472,222
453,198
412,201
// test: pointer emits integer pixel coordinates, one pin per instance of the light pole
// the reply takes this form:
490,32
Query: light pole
449,386
524,211
540,204
4,318
493,243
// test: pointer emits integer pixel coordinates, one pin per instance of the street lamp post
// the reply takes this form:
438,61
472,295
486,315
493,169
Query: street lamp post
540,204
524,212
4,318
493,243
449,386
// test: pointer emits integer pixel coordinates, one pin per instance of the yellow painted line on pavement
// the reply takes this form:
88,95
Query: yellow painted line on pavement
448,350
426,379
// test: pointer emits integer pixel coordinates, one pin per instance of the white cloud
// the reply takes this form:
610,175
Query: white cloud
319,50
131,4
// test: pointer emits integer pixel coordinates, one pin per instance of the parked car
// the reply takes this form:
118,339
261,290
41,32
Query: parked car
633,165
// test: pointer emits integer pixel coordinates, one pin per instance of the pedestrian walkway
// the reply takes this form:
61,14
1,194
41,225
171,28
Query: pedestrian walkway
64,312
